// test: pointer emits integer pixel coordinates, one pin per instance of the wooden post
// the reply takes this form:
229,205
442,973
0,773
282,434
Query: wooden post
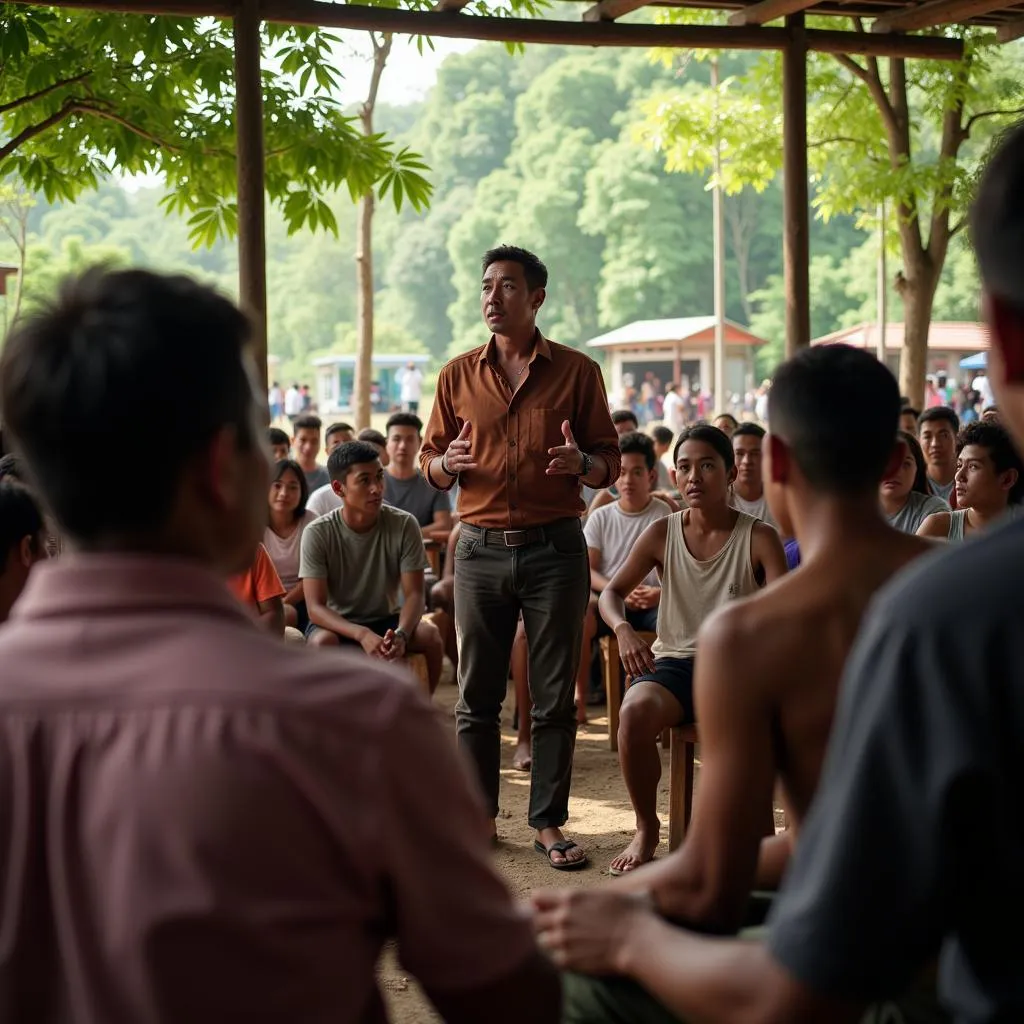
721,403
795,247
252,240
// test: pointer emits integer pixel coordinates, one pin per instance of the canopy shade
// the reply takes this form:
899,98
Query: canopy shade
978,361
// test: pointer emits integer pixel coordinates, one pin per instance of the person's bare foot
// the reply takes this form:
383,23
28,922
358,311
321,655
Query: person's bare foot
522,759
548,837
639,852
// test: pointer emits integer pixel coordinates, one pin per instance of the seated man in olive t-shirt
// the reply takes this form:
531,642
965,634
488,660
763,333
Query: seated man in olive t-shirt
356,559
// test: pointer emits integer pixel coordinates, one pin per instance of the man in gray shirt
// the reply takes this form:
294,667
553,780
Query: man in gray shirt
404,484
914,844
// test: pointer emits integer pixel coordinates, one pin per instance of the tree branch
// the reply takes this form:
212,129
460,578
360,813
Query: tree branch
37,129
22,100
109,115
971,121
853,67
954,135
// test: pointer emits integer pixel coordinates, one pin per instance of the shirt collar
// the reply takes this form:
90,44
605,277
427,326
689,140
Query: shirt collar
543,348
100,583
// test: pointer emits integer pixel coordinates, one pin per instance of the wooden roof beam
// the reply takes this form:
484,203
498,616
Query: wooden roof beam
1010,31
935,12
451,6
609,10
769,10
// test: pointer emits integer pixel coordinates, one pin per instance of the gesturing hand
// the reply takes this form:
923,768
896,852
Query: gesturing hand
457,459
566,458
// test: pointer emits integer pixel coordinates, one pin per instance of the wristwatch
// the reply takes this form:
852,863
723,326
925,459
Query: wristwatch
588,463
400,634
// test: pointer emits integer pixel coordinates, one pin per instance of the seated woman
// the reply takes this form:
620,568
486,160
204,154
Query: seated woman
282,538
906,498
989,483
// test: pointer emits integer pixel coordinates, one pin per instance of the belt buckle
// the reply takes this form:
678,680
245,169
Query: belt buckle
507,536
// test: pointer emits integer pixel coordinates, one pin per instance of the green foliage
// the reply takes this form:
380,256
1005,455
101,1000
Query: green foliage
85,94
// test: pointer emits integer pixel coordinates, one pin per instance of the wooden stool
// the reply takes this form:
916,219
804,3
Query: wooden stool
613,684
680,788
418,666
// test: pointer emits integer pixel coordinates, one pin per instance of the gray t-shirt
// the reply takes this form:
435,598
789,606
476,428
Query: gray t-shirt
317,478
758,509
915,841
363,570
943,491
416,497
917,509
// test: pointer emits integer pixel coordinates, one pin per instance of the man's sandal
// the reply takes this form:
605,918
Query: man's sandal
561,847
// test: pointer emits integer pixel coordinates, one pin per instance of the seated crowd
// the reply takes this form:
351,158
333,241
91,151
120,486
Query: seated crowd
886,709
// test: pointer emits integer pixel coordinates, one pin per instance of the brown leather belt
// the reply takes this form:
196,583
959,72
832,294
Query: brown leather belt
519,538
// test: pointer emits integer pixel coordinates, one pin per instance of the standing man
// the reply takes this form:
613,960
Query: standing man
411,383
674,409
521,422
276,401
293,403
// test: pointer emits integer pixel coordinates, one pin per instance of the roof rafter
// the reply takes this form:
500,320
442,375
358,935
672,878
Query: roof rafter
1010,31
769,10
935,12
609,10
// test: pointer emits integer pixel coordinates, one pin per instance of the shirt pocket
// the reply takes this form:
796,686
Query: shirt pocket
546,430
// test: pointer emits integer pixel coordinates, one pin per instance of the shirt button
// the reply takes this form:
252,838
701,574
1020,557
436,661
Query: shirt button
512,443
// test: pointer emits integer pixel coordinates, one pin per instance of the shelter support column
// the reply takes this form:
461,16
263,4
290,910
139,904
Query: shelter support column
252,241
796,215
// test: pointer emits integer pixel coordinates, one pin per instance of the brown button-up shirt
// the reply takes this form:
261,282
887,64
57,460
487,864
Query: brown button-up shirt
199,824
511,433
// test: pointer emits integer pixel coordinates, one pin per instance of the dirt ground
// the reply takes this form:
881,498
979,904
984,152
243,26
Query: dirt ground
601,821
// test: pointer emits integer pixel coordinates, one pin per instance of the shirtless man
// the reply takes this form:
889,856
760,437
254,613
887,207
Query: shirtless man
770,665
989,480
705,555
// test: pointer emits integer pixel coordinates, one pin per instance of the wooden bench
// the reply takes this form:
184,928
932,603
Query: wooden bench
680,785
611,666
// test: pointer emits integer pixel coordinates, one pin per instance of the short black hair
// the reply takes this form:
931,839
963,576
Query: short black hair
940,412
276,436
307,422
727,416
718,439
338,428
810,403
625,416
997,219
95,362
372,436
279,469
404,419
12,468
350,454
996,438
662,435
636,443
749,430
921,484
534,271
909,410
20,517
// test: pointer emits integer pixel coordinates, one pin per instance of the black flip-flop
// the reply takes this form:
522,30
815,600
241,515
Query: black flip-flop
561,847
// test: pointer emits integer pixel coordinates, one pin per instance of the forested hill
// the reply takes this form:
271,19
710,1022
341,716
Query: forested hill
540,150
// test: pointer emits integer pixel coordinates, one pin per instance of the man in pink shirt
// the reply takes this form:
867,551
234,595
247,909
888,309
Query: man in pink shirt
198,823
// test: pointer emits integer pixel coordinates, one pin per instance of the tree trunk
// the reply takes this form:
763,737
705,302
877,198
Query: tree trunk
362,407
918,294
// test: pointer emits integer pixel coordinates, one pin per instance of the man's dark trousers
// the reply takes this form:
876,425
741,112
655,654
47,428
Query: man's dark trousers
548,580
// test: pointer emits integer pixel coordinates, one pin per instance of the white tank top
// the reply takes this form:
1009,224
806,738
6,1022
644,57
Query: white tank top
691,589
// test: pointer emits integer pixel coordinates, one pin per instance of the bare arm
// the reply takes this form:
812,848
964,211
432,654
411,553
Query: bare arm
295,595
601,498
320,615
773,859
768,553
668,499
597,581
441,526
270,615
936,526
648,553
707,881
413,590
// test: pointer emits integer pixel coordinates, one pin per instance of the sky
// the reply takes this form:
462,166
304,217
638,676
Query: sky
408,75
